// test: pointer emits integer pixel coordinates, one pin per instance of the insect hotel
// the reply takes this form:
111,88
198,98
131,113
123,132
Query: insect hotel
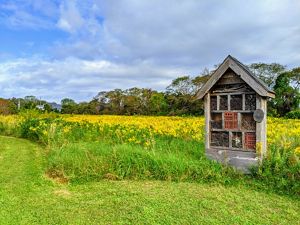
235,102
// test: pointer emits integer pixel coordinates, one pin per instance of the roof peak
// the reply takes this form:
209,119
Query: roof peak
243,71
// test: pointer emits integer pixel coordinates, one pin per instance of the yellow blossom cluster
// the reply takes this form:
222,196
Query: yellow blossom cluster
284,133
184,127
8,124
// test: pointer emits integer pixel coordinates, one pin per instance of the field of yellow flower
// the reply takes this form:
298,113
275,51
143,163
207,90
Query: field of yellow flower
187,128
283,133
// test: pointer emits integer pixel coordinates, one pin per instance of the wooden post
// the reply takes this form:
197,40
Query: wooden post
207,120
261,128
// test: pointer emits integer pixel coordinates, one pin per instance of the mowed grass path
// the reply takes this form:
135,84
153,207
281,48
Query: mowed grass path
28,197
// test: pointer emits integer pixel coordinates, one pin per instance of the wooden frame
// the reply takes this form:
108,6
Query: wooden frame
239,114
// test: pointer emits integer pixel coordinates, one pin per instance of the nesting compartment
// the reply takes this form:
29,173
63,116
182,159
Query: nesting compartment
248,122
236,102
220,139
250,101
213,103
223,102
232,124
216,120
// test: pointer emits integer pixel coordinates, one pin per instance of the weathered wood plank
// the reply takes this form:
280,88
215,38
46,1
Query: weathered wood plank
230,77
261,128
235,93
207,119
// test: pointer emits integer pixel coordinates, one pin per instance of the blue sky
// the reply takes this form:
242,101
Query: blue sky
70,48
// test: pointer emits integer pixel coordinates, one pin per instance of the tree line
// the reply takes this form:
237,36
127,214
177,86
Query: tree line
177,99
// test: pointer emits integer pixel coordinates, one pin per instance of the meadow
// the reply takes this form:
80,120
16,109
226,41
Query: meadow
82,148
79,169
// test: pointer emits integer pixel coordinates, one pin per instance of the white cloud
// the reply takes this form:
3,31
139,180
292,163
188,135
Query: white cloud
32,14
120,44
76,78
203,32
21,19
70,18
184,33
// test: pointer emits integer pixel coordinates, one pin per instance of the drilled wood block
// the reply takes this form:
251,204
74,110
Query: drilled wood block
248,122
250,102
216,120
236,102
213,103
223,102
219,138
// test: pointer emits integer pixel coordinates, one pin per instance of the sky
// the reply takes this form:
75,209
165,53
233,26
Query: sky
54,49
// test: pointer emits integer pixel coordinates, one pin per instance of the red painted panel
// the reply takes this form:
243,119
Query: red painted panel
250,140
231,120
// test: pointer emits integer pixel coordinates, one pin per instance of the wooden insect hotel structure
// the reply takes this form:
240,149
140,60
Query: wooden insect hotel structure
235,103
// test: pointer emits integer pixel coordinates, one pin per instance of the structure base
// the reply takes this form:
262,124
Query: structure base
242,161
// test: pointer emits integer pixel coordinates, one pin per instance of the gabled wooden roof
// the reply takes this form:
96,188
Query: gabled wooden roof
243,72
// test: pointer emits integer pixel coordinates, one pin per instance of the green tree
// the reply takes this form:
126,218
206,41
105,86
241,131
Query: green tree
47,107
295,77
30,102
68,106
182,85
287,98
267,72
158,104
115,101
7,107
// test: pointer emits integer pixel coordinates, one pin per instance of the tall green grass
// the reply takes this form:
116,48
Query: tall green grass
82,152
86,161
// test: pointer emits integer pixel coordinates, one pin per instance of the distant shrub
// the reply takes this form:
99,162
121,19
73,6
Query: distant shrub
31,129
2,128
293,114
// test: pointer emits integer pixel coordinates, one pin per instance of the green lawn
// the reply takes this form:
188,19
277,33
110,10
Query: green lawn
28,197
